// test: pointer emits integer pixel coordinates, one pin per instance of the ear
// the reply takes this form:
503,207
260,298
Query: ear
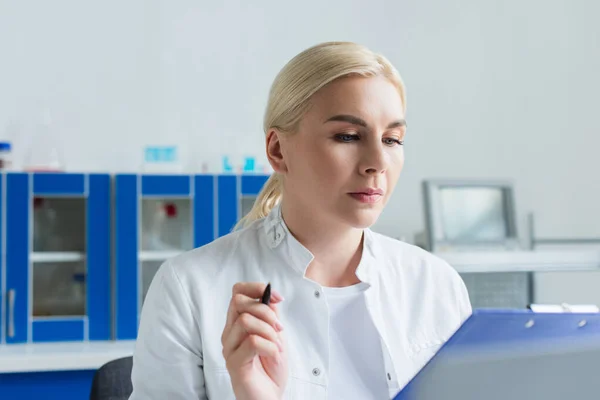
274,151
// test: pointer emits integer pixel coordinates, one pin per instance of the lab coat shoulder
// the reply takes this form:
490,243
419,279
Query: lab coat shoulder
410,259
433,287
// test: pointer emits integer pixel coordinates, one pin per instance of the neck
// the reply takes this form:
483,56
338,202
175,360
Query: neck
337,248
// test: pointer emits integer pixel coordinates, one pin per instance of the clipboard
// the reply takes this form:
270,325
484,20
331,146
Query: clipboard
489,330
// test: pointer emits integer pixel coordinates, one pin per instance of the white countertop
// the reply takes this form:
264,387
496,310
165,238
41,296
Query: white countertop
523,261
41,357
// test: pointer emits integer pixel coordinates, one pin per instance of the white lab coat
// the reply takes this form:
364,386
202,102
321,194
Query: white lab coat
415,299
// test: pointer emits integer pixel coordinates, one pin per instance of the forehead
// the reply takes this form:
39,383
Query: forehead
369,98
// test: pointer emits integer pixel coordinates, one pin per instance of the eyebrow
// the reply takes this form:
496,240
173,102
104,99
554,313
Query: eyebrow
361,122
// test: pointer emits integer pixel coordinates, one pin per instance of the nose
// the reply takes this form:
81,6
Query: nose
374,160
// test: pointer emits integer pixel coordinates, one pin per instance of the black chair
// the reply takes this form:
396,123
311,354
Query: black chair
113,380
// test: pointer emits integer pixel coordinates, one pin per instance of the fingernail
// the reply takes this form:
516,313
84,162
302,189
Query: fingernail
278,326
276,295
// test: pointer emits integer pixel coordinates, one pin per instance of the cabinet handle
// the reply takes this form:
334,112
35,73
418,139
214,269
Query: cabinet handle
12,294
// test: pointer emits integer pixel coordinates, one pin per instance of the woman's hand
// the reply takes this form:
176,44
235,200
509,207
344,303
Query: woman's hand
253,344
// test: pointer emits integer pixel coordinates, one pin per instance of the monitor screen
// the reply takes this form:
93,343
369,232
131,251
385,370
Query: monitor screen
473,214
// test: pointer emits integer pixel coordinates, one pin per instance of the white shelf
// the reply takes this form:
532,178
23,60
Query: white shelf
69,356
57,256
157,255
523,261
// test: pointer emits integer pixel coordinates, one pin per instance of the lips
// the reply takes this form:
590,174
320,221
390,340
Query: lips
367,195
369,192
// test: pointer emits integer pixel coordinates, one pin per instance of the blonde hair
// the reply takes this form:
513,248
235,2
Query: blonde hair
297,82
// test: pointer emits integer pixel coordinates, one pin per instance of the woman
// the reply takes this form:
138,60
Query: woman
362,312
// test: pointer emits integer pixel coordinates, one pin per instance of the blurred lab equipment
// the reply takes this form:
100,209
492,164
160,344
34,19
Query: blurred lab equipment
59,289
5,156
465,218
166,225
162,159
536,243
7,142
244,165
469,215
471,224
227,167
45,235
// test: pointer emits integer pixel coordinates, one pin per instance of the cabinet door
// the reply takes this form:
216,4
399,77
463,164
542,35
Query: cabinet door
155,221
17,260
58,257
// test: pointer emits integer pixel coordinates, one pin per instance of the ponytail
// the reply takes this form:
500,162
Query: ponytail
268,198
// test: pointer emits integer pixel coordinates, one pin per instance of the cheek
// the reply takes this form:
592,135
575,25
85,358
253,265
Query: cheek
397,161
328,173
328,164
395,166
400,166
312,170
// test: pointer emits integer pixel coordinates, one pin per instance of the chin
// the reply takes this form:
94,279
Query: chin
362,219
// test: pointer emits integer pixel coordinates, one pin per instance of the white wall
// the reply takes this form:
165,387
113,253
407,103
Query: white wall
496,89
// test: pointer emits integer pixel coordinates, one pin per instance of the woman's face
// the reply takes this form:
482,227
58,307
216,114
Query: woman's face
345,159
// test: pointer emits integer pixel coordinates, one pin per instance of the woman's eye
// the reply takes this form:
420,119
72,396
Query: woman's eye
346,137
393,142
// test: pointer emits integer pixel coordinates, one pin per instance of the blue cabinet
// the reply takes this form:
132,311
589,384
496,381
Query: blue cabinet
160,216
63,233
56,242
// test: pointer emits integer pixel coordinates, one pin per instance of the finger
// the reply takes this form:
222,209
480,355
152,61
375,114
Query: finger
255,290
240,304
275,310
261,311
246,325
279,332
241,297
251,346
233,313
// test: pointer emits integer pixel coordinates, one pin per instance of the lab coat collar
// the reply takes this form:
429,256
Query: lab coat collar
279,236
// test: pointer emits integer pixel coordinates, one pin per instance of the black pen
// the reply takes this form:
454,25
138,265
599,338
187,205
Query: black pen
266,297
